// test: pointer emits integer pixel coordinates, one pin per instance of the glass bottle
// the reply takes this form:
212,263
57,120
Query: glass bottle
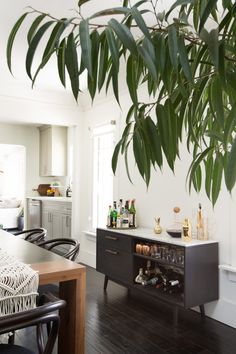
132,214
114,215
109,216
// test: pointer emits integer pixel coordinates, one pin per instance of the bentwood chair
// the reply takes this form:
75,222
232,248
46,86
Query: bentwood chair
45,315
35,236
66,247
70,253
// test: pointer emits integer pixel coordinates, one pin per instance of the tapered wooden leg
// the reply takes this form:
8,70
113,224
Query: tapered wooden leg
202,311
105,282
175,316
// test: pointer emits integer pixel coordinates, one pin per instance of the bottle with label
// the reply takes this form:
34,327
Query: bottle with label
132,214
69,192
125,215
151,282
187,231
114,215
109,216
140,277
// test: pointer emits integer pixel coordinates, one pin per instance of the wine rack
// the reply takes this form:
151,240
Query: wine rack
120,256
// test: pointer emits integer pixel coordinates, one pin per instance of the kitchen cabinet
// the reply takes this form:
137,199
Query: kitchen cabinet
53,151
56,219
194,265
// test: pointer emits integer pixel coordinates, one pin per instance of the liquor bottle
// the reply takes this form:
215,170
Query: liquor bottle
125,215
114,215
109,217
69,192
187,231
151,282
200,226
132,214
140,277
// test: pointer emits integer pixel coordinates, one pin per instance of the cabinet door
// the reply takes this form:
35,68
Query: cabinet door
66,225
56,225
53,151
47,223
45,152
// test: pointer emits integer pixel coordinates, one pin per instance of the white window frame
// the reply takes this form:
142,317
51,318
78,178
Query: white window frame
97,210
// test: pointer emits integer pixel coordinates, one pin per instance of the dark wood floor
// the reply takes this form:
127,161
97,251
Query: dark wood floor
122,323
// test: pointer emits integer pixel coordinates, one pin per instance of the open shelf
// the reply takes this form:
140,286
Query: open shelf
160,261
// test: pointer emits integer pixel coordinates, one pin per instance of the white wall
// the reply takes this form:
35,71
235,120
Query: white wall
166,190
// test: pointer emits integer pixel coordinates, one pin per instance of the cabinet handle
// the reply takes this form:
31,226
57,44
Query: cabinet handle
111,238
111,252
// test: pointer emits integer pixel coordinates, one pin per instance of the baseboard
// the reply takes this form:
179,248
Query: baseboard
87,258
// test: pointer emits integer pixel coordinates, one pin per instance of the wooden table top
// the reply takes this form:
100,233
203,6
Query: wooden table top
51,267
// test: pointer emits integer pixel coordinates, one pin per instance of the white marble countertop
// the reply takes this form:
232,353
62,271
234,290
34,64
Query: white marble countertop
52,199
163,237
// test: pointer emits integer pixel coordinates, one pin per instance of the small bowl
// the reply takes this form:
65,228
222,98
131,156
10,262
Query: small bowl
174,233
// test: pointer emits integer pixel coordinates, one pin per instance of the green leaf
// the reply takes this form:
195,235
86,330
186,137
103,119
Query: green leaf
71,60
33,46
131,78
54,37
81,2
196,162
183,57
124,34
197,179
11,38
34,27
85,44
208,175
112,44
61,62
103,61
210,6
92,82
140,22
148,62
125,137
217,177
179,3
138,152
115,156
173,46
217,100
112,11
230,170
154,140
211,39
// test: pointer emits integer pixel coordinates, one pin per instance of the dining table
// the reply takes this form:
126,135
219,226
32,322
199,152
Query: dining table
71,277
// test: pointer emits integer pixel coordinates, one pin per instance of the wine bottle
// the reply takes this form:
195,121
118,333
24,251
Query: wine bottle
114,215
109,217
132,214
151,282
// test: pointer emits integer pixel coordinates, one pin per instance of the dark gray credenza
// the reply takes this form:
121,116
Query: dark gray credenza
118,261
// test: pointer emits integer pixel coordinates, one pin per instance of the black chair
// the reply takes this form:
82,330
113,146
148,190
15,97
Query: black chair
33,235
55,246
44,315
66,247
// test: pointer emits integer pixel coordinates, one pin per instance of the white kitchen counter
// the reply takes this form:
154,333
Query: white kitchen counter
52,199
149,234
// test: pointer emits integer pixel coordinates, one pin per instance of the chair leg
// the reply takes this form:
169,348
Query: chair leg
11,338
202,311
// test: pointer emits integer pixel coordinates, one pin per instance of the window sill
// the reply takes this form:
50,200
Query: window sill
91,235
231,270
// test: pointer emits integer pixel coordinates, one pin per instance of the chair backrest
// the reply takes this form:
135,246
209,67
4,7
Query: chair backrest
54,246
33,235
45,314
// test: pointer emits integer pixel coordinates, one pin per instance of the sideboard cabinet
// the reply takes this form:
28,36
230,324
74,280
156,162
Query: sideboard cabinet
193,264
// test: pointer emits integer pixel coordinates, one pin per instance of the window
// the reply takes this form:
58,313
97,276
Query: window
103,146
